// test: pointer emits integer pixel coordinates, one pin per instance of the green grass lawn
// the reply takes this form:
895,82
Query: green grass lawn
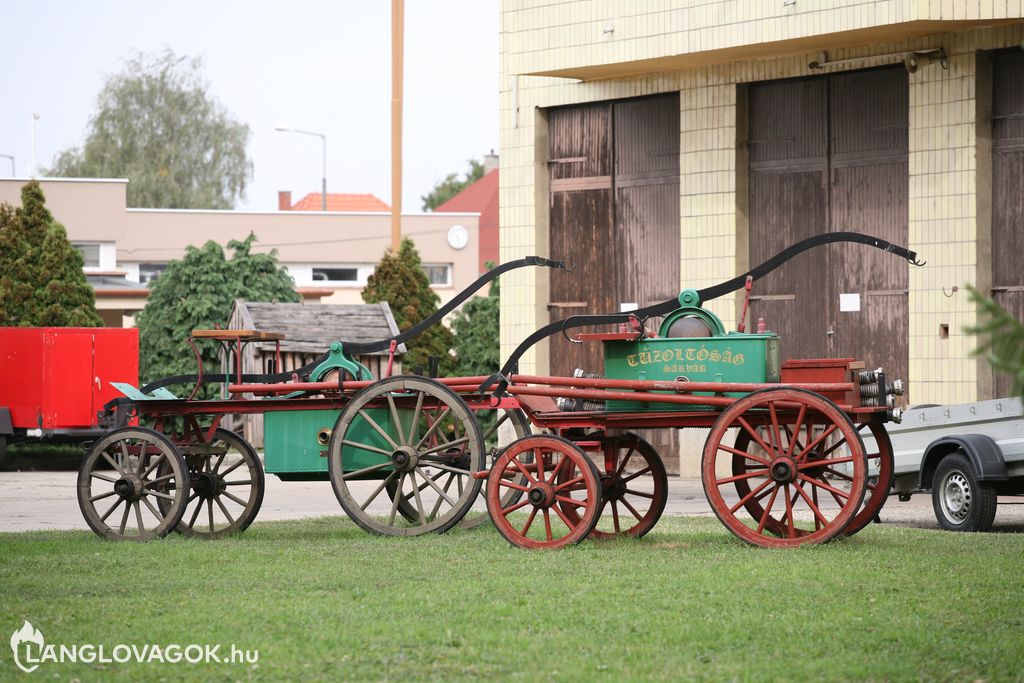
322,600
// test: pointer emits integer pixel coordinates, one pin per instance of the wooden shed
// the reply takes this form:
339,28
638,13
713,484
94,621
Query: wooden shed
309,330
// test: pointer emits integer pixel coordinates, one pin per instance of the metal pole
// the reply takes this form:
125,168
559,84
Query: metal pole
323,185
397,39
323,141
32,168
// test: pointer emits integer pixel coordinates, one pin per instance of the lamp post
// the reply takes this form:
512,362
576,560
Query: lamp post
323,140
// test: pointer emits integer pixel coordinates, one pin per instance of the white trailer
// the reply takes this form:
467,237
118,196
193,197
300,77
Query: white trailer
966,455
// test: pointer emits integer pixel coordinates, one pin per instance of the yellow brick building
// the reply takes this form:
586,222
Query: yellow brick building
709,54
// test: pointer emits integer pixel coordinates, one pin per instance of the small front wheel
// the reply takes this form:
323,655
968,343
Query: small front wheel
961,502
553,474
142,494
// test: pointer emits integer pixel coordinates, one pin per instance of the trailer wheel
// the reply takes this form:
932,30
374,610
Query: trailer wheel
558,474
147,469
805,473
631,500
227,486
3,449
416,433
961,502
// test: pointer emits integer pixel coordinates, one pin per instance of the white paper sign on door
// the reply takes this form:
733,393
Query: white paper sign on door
849,303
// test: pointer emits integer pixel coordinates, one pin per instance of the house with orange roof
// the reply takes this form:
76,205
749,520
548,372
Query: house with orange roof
336,201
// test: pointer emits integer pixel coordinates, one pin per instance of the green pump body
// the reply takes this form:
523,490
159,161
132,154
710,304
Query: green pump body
720,356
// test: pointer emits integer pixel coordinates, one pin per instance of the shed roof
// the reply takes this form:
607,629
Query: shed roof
312,327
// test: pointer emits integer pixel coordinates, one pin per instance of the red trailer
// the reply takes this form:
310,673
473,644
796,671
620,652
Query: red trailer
54,380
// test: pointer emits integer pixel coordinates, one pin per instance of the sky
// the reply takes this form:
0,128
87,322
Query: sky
320,66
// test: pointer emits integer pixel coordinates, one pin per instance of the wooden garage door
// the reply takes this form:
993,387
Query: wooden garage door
830,154
614,212
615,216
1008,190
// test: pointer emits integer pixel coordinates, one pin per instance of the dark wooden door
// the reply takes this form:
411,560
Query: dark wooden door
788,153
615,216
582,226
830,154
614,213
869,138
1008,190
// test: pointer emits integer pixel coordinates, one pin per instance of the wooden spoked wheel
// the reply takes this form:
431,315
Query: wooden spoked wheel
791,495
122,503
879,484
416,442
558,475
227,486
634,488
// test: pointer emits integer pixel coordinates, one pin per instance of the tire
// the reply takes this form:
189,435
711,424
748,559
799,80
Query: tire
3,450
961,502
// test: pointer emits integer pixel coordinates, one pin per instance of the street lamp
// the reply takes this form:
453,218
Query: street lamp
323,139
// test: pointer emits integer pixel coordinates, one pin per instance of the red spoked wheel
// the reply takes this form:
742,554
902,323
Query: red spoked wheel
881,469
788,492
634,488
553,475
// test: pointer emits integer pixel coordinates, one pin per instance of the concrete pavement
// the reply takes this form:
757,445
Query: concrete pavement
47,500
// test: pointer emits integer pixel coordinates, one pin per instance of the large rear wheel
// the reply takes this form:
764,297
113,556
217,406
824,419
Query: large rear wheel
790,495
416,442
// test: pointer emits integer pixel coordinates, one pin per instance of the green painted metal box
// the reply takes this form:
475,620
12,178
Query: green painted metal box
295,442
735,357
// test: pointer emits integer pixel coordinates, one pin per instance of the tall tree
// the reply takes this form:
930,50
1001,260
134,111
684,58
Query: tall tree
41,278
399,279
157,125
452,185
197,292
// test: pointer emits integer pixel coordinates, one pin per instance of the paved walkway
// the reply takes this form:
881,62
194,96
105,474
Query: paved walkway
47,500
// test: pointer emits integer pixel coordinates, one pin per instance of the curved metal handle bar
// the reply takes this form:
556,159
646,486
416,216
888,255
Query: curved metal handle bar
706,294
366,347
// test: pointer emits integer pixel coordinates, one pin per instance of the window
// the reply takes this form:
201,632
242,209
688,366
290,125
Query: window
438,274
150,271
335,274
90,254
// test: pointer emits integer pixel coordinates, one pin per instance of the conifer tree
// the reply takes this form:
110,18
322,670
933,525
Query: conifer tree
41,278
399,279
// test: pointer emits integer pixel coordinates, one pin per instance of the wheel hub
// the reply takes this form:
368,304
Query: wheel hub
405,459
957,496
783,470
207,484
542,495
612,487
129,486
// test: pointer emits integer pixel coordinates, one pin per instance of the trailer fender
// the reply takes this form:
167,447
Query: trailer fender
985,456
6,426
